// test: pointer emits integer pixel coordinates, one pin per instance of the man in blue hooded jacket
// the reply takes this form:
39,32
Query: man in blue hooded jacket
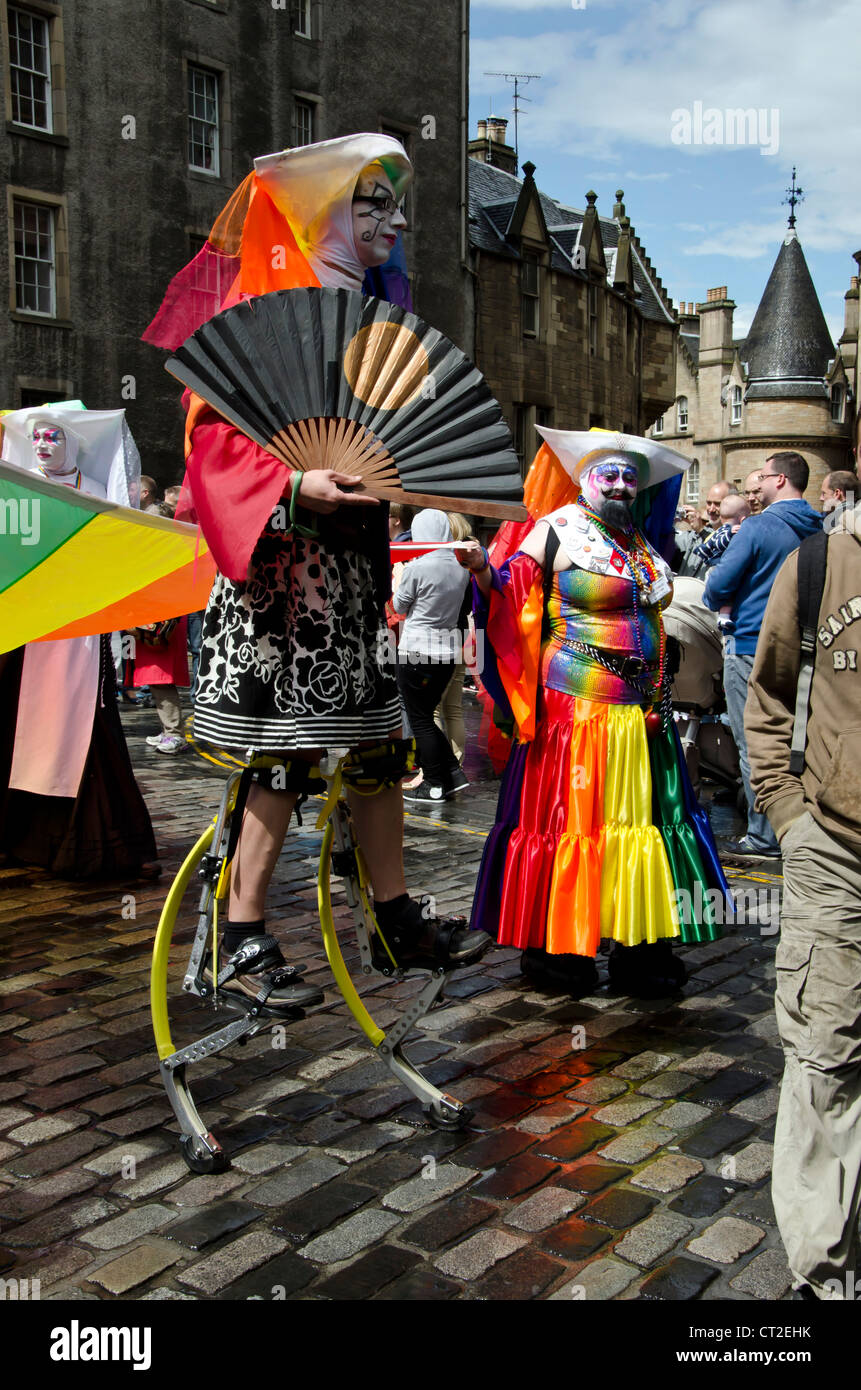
743,578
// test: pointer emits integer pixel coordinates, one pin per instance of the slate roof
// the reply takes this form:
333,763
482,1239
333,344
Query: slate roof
789,346
692,343
493,195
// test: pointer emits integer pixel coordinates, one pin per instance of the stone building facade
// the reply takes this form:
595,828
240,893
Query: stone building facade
129,125
784,386
566,316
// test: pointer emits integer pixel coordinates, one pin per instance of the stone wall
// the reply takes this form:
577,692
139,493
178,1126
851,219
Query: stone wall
556,371
133,205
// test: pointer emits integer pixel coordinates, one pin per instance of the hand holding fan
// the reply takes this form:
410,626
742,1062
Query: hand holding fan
330,379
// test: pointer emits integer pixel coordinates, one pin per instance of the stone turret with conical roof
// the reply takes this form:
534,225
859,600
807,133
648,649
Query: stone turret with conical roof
783,387
788,349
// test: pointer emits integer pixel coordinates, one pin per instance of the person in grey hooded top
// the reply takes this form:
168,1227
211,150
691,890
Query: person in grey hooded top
431,596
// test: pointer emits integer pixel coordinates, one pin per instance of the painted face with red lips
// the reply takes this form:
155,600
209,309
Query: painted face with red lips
49,446
376,217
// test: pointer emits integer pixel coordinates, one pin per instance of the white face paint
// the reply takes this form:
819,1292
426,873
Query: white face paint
614,477
49,446
376,217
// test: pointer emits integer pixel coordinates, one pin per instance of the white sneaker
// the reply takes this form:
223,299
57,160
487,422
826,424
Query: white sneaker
171,743
155,739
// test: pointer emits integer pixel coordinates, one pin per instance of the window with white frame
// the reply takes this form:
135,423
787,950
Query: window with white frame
303,18
35,258
735,407
203,119
530,293
30,69
303,122
658,426
837,398
692,493
683,413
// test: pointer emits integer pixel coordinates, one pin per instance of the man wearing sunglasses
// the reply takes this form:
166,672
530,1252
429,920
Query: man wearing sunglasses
743,578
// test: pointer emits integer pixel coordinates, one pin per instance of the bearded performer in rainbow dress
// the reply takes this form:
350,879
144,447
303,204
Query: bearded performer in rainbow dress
597,834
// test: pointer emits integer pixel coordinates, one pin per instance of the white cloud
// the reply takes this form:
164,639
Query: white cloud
601,92
634,177
744,241
523,4
743,317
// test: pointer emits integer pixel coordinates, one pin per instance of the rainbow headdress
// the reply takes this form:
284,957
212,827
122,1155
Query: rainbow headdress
288,226
268,235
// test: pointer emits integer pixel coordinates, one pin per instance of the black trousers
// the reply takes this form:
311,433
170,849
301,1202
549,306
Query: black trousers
422,686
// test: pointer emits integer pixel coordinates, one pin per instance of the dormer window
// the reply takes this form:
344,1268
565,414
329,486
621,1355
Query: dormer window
837,398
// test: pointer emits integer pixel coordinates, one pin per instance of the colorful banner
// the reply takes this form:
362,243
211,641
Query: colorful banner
73,565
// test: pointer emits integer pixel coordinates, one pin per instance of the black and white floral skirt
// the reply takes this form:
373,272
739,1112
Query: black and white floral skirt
295,656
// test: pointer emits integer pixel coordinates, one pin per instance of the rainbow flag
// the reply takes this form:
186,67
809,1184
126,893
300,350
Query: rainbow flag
72,565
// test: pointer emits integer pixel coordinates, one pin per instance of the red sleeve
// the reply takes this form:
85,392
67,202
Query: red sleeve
234,485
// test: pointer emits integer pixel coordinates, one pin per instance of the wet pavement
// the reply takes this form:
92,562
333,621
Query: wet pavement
618,1149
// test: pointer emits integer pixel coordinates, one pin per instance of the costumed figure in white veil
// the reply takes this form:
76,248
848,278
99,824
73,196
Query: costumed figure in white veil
69,802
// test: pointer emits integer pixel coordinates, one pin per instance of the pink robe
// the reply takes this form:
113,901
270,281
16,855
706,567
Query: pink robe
59,689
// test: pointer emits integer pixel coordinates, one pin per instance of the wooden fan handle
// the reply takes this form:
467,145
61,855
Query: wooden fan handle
474,506
343,449
342,445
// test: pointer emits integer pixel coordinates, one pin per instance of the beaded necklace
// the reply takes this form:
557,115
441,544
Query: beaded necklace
644,574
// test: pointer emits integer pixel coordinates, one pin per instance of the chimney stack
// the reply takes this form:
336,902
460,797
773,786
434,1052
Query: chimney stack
490,145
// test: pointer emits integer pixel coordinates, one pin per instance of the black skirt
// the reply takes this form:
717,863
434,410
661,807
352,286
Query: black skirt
103,832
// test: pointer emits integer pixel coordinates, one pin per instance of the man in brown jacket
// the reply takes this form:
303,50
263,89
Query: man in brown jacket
816,816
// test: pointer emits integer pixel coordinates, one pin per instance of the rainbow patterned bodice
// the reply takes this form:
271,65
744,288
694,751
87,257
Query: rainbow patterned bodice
598,609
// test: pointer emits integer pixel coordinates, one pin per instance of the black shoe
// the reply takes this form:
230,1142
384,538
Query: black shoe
459,780
647,971
263,977
424,792
439,941
577,974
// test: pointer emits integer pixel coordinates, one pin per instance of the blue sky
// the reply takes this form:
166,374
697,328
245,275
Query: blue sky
616,75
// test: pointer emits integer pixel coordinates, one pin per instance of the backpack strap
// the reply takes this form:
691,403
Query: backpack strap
812,561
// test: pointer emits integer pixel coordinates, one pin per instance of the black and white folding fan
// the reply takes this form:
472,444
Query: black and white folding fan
330,379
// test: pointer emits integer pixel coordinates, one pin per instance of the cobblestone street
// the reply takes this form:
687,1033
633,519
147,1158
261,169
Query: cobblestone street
618,1150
